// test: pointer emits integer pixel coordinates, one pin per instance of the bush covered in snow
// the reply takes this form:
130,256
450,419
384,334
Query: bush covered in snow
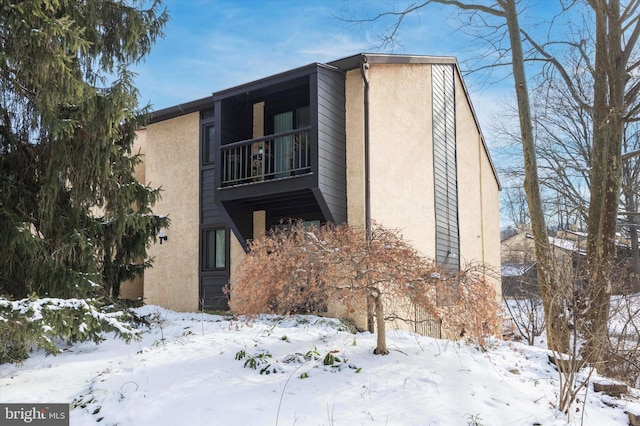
34,323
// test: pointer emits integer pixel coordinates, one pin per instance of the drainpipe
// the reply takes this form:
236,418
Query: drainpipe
364,66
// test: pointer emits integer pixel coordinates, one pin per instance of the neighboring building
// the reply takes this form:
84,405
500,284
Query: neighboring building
519,266
569,248
389,138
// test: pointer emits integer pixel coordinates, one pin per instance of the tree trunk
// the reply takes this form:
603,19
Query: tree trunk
635,248
606,176
381,347
630,205
552,295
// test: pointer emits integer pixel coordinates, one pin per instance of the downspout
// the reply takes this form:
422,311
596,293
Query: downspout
364,66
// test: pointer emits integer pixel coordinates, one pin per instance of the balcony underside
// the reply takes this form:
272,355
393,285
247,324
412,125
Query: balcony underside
304,204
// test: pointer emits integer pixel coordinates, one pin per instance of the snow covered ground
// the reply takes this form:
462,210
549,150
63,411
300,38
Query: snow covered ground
184,371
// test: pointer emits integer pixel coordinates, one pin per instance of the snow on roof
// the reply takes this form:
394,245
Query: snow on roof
567,245
515,270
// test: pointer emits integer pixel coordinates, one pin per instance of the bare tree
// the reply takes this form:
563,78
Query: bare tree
617,32
630,201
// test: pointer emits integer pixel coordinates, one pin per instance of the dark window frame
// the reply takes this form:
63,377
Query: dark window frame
213,231
207,142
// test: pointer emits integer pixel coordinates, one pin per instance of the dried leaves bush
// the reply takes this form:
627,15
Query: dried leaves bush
307,270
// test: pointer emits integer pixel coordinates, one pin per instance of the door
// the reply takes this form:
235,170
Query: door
283,146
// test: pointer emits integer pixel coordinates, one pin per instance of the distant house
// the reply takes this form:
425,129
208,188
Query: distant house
390,138
519,273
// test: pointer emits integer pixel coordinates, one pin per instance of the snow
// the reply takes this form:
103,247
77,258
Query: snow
514,270
184,371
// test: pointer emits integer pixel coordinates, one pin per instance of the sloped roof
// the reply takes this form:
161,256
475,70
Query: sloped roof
514,270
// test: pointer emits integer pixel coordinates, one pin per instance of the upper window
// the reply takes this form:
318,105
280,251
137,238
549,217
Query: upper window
215,249
208,138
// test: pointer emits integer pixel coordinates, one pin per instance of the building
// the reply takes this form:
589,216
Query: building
390,138
569,249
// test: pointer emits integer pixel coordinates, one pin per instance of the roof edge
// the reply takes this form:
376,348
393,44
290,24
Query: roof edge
181,109
354,61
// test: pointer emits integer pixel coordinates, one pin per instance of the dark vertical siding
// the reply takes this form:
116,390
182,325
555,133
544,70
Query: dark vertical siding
211,293
211,282
332,179
210,213
445,166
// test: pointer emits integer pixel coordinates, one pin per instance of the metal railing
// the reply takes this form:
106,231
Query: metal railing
426,324
271,157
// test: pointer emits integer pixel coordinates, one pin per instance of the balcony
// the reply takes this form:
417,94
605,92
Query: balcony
280,149
277,156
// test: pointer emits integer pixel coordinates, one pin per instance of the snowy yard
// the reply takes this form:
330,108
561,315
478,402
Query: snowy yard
194,369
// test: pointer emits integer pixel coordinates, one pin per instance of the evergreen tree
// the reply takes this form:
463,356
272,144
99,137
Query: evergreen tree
73,219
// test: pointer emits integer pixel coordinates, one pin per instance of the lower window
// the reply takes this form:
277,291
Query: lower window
215,249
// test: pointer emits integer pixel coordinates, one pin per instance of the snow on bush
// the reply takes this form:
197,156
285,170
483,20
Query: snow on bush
34,323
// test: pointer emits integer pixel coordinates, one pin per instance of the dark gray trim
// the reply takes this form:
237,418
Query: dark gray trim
270,82
181,109
353,62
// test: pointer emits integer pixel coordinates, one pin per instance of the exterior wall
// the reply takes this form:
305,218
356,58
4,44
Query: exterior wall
354,103
478,194
401,152
330,95
445,159
172,162
401,156
237,252
401,161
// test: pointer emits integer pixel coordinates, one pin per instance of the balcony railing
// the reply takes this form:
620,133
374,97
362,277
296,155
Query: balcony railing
271,157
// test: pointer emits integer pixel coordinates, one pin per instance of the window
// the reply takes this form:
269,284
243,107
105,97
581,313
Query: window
208,138
215,249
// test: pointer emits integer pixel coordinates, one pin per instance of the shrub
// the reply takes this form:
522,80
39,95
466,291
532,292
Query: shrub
41,323
304,269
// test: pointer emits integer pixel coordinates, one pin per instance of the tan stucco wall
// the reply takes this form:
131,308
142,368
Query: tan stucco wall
172,162
401,157
354,103
478,194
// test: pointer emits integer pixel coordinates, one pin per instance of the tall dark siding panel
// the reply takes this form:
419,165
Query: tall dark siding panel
332,180
210,212
445,166
212,283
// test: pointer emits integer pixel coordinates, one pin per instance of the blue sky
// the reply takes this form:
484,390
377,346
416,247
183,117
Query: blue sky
211,45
